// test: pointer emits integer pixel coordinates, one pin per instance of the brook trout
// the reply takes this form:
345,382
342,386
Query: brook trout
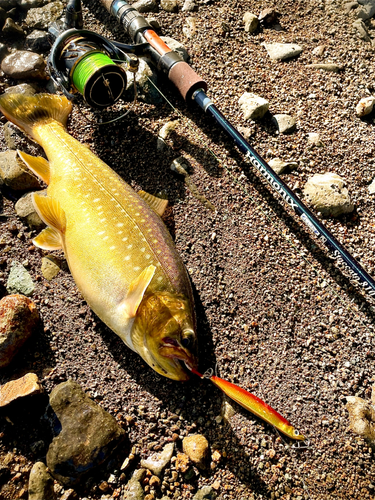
118,249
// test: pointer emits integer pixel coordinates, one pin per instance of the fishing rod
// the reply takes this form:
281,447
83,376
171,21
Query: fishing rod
193,89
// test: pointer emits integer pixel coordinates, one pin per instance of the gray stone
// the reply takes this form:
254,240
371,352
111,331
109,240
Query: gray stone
284,123
41,483
12,29
282,51
41,18
251,22
18,319
88,437
145,5
50,267
280,166
169,5
365,106
3,51
146,92
22,88
19,280
13,172
157,462
328,194
189,6
269,16
348,6
25,210
177,47
205,493
31,4
133,490
8,4
24,65
334,68
253,106
366,10
361,29
38,41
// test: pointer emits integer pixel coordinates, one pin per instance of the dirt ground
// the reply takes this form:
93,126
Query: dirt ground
276,315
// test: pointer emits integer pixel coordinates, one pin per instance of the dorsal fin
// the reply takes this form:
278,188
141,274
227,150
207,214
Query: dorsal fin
37,164
158,205
50,211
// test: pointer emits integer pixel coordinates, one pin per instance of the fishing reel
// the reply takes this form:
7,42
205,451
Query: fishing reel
84,62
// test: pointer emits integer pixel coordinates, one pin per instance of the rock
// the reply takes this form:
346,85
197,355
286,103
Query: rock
25,210
367,9
15,389
145,5
133,490
79,448
282,51
251,22
269,16
13,173
190,28
279,166
314,138
197,449
253,106
19,280
145,90
22,88
205,493
284,123
18,319
24,65
3,51
328,194
37,41
50,267
365,106
334,68
371,187
182,463
41,483
12,29
189,6
361,29
69,494
169,5
319,50
157,462
177,47
41,18
362,417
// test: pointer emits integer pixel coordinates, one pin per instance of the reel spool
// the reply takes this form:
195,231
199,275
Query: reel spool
82,61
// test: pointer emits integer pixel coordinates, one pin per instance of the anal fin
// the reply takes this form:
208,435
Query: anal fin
50,211
158,205
137,290
48,239
36,164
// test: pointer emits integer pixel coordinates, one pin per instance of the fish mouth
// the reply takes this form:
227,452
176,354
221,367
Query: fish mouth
182,359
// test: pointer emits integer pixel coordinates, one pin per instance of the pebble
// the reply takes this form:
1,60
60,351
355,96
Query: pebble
319,50
284,123
269,16
79,447
189,6
282,51
19,280
37,41
366,10
253,106
13,173
205,493
361,29
40,483
169,5
177,47
280,166
328,194
145,6
27,385
18,319
50,267
157,462
41,18
69,494
25,210
24,65
146,92
182,463
371,187
190,28
12,29
251,22
334,68
314,138
362,418
196,447
365,106
133,490
22,88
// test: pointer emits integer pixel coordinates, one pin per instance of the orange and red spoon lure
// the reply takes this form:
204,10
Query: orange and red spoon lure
255,405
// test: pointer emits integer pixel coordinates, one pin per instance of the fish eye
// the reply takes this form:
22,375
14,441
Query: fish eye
185,341
296,432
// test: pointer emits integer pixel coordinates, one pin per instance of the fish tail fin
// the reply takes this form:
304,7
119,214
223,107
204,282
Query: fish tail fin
27,111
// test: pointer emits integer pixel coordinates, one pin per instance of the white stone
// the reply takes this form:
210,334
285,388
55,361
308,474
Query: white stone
253,106
279,166
371,187
365,106
284,123
328,194
314,138
282,51
251,22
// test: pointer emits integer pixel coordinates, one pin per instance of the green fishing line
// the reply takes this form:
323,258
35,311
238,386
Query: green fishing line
87,66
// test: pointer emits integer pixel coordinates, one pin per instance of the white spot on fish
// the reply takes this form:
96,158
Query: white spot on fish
127,257
137,214
120,232
120,224
130,246
96,200
125,239
136,268
160,278
105,238
143,249
112,248
148,256
142,220
102,220
101,232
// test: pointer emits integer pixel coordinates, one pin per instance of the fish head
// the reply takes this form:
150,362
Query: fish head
164,334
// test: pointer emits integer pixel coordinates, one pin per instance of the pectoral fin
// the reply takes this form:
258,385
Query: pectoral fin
36,164
158,205
50,211
48,239
136,291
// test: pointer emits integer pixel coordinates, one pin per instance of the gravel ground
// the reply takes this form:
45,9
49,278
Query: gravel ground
275,313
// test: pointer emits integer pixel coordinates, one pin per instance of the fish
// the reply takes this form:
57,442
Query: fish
119,252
